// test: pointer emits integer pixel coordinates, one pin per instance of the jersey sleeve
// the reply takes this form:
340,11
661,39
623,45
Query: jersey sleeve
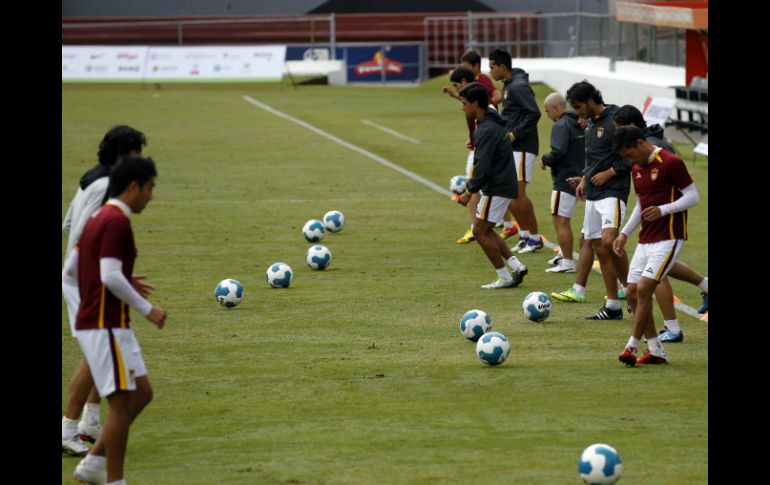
679,174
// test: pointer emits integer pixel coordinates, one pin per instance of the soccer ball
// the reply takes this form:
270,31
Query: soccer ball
228,292
493,348
279,275
457,184
474,324
318,257
313,230
334,221
600,464
537,306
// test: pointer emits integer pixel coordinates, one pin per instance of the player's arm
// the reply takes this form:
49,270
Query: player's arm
689,198
559,145
67,224
633,221
495,97
528,124
111,270
69,273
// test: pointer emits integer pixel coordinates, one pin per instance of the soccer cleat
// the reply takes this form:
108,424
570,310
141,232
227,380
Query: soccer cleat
560,268
628,356
532,246
88,432
519,245
705,305
510,231
667,335
499,283
649,358
91,476
556,259
74,447
467,237
569,296
518,275
605,313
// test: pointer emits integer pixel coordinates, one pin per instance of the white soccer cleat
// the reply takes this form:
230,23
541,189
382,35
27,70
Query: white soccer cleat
91,476
89,432
561,268
500,283
74,447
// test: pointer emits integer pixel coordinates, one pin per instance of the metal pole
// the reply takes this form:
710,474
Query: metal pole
577,29
636,42
601,37
333,36
653,43
518,37
469,20
620,40
676,47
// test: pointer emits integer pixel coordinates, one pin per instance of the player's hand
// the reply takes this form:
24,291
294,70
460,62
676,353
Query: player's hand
619,243
580,190
511,136
573,181
602,178
469,144
446,89
542,165
144,289
464,198
652,213
157,316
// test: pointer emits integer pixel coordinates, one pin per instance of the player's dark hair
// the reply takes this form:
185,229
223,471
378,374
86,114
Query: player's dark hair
475,92
120,140
582,91
461,73
626,137
471,57
501,57
131,169
629,115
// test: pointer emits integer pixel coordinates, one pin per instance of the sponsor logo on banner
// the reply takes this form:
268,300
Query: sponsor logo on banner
127,55
379,64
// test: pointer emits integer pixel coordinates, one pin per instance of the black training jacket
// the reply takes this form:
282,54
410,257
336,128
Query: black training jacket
601,156
567,157
521,112
494,172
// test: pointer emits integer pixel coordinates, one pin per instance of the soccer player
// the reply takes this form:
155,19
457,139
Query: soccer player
664,191
103,264
605,187
566,159
521,113
119,142
494,175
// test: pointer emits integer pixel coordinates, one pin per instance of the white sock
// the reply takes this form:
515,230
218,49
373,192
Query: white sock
672,325
95,461
704,285
91,414
569,263
69,428
514,263
523,233
633,342
534,236
507,224
625,290
612,304
471,227
654,345
504,274
579,290
122,481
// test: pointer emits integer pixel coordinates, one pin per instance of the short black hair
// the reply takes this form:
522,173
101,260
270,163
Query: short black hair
629,115
471,57
461,73
582,91
626,137
475,92
128,170
120,140
501,57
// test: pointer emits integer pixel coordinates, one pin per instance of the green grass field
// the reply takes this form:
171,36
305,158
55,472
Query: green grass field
359,374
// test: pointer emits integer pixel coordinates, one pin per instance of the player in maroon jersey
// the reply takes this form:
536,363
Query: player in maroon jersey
103,264
664,191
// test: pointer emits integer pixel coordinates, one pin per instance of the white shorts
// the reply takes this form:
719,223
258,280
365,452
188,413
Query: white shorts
525,165
654,260
71,296
562,204
114,357
492,208
602,214
469,165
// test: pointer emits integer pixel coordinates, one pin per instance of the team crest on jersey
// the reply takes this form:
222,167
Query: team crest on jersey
638,175
600,132
654,173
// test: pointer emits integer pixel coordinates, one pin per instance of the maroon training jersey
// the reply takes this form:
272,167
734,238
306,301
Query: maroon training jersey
490,88
659,182
107,234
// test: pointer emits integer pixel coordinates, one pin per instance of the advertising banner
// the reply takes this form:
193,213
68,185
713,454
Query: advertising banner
103,63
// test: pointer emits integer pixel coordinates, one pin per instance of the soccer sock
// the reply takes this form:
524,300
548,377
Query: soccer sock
579,290
534,236
524,234
514,263
672,325
508,224
504,273
91,414
654,345
704,285
69,428
625,290
612,304
95,461
569,263
633,342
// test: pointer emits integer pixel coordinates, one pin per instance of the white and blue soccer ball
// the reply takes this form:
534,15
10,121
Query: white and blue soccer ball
334,221
318,257
457,184
229,292
493,348
537,306
600,464
313,230
279,275
474,324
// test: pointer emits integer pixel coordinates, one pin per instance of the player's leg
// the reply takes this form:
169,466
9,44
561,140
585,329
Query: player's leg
490,212
77,393
562,206
671,331
682,272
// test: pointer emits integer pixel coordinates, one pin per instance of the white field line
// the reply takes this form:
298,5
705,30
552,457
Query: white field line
392,132
679,306
355,148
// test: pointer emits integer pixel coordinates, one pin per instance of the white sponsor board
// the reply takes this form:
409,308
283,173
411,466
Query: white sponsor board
703,146
195,63
657,110
103,62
